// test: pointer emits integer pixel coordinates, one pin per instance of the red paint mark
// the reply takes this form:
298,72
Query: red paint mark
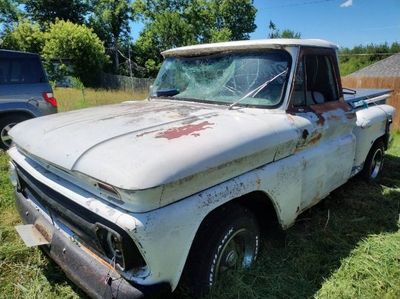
185,130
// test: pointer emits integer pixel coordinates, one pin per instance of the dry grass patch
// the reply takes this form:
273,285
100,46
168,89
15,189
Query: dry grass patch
72,98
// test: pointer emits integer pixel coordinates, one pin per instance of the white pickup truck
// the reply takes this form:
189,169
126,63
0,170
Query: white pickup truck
132,199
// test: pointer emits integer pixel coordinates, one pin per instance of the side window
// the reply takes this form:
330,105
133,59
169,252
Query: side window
320,77
4,70
21,71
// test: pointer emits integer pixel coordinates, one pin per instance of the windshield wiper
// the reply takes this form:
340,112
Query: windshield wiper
255,91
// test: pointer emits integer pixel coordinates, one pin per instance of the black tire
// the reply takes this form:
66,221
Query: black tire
6,123
373,164
212,253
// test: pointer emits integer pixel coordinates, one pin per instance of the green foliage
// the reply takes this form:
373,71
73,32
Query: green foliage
236,15
274,32
47,11
222,35
174,23
78,45
25,36
76,83
110,21
9,11
360,56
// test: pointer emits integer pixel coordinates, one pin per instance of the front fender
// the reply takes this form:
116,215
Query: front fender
165,235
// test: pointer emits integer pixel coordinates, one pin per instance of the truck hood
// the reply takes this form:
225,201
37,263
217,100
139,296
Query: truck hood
146,144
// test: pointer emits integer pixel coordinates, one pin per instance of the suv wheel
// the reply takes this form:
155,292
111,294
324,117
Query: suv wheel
6,123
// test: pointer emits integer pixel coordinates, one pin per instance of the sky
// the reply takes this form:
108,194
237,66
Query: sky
347,23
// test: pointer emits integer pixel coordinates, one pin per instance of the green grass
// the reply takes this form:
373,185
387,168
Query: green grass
71,98
347,246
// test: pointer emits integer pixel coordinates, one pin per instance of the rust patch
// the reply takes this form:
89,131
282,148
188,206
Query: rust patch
319,109
315,139
321,119
334,117
351,116
329,106
45,233
190,129
96,257
146,133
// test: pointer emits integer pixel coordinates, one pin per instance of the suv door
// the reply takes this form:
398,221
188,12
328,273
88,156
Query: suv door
325,122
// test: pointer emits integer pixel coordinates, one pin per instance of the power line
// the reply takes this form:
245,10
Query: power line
368,54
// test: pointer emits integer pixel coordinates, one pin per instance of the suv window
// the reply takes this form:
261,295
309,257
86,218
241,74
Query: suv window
315,81
21,71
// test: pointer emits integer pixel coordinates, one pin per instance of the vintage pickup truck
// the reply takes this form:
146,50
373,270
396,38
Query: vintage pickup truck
132,199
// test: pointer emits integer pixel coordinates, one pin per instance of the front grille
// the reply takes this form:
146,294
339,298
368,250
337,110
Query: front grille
87,225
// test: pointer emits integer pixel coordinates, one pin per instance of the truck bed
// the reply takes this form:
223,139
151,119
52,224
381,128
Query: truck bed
363,97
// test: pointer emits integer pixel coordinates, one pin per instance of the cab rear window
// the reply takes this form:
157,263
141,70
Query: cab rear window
21,71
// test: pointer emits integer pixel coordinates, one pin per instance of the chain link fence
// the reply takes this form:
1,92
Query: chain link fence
126,83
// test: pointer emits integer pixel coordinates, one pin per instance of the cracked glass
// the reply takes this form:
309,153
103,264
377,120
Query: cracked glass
247,79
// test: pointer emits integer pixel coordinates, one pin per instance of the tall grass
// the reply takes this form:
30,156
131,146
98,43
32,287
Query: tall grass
72,98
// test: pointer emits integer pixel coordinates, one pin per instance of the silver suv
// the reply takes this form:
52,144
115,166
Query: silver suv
25,91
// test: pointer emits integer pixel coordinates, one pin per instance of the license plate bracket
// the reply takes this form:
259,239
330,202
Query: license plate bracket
31,235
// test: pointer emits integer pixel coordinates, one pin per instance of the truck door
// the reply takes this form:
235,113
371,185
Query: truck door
326,144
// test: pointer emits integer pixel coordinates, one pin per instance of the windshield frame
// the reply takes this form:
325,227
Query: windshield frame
227,104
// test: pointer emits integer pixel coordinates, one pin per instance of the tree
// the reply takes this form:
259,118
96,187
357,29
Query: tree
174,23
110,21
168,30
25,36
9,11
78,45
47,11
236,15
361,56
274,32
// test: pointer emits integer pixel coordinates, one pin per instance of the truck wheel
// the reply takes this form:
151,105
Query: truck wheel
228,240
374,162
6,123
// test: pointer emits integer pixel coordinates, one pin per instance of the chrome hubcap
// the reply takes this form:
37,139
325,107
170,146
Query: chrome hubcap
238,252
231,258
5,138
376,165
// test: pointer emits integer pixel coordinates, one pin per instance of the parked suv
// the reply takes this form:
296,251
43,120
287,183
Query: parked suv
25,91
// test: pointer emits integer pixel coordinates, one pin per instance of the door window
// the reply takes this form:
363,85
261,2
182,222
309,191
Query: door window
21,71
315,81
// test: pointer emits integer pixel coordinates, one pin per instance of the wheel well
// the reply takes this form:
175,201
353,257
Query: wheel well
384,139
259,203
19,112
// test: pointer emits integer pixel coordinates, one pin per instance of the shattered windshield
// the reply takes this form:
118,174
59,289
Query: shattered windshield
249,79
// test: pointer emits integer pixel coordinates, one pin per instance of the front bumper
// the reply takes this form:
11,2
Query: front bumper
93,275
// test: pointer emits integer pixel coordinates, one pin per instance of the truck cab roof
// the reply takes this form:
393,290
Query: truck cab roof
204,49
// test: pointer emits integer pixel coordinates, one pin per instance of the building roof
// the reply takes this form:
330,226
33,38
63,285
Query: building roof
388,67
246,45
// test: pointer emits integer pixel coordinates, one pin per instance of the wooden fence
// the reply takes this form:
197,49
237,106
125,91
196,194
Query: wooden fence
125,83
379,82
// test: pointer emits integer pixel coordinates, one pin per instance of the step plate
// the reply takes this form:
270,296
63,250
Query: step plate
31,235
